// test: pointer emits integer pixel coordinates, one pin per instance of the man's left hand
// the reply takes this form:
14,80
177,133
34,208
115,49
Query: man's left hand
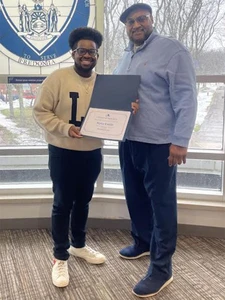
177,155
135,106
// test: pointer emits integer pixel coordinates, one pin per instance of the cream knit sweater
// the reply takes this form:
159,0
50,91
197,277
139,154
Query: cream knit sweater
53,108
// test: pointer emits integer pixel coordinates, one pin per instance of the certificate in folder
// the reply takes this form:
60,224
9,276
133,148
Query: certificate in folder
109,111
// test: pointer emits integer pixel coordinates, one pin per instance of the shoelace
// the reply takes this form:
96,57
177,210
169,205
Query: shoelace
89,249
62,269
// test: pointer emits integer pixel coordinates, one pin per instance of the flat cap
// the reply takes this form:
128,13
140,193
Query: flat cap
134,7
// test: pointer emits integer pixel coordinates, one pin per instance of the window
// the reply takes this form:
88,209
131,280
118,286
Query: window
197,24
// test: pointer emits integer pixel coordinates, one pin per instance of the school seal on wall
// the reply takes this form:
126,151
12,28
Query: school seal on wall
35,32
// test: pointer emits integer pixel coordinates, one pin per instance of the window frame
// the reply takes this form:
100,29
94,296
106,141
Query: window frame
184,195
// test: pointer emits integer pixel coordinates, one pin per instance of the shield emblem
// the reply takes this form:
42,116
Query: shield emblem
38,22
38,29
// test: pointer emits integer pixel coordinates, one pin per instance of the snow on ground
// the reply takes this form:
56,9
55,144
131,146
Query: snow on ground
204,99
23,138
4,105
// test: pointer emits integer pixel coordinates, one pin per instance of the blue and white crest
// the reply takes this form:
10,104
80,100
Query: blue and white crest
35,32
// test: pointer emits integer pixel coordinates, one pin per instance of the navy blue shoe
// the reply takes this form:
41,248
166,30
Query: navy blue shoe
133,252
150,286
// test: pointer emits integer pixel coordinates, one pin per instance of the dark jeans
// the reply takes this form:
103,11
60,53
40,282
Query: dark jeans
73,174
150,190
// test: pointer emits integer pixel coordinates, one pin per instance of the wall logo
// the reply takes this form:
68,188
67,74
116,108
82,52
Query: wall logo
35,32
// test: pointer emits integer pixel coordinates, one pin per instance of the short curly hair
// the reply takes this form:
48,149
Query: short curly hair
85,33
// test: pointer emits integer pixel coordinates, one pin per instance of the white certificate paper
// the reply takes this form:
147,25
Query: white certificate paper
105,124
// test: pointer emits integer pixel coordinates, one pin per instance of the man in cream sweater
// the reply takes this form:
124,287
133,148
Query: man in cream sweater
74,161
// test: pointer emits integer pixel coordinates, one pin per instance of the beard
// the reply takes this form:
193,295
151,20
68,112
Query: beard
84,70
139,41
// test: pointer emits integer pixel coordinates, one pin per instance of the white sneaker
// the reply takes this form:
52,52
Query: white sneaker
60,275
90,255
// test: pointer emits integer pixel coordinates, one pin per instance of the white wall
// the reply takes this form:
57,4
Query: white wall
200,213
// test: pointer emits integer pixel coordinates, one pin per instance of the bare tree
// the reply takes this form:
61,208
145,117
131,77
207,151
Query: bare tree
19,88
9,98
211,62
220,38
176,17
114,31
193,22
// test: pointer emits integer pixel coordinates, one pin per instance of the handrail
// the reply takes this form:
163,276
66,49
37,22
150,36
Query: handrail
210,78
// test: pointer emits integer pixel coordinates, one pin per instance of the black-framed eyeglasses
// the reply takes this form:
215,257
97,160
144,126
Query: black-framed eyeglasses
140,19
82,51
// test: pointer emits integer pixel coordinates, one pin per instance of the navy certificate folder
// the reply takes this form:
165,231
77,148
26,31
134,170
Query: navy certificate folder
109,112
115,91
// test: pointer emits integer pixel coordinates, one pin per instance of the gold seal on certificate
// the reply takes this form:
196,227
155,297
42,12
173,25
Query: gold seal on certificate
109,111
105,123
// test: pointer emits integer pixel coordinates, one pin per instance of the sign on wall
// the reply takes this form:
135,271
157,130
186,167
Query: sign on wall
35,32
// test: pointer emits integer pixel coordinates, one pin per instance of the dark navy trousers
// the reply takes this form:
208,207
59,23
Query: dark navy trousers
150,191
73,174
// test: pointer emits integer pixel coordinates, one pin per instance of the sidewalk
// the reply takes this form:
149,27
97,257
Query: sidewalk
210,135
